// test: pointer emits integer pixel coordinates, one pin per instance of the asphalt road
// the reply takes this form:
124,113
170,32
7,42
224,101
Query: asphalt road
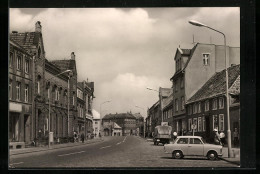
129,151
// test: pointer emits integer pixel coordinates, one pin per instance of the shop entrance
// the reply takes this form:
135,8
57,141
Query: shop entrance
14,126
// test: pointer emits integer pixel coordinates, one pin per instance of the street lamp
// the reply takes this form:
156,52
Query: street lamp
49,121
227,96
160,95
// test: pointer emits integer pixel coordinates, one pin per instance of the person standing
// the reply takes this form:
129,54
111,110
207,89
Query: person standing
222,138
236,137
217,137
82,136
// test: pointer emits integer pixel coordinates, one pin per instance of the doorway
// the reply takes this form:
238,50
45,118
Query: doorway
207,128
27,129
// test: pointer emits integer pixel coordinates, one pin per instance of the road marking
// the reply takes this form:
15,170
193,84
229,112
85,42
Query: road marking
71,153
105,147
17,163
124,139
118,143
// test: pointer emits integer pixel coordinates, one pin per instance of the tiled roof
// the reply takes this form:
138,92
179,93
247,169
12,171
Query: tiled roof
138,116
116,116
27,40
63,64
216,85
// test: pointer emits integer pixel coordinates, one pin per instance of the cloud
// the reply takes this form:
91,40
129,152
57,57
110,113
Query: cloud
128,90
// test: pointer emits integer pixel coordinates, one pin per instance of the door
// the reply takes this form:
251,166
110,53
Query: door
27,129
195,147
207,128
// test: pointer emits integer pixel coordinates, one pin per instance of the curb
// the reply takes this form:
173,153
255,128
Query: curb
47,149
233,162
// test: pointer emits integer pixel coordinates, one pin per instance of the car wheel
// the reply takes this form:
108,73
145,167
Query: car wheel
177,154
212,155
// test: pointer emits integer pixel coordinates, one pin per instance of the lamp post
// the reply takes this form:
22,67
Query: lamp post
49,119
160,96
227,95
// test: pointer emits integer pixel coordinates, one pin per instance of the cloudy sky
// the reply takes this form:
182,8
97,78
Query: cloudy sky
126,50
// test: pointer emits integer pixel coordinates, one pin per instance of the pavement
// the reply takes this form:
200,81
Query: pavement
235,154
52,147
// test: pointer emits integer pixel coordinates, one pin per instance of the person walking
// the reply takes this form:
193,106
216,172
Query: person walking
82,136
236,137
222,138
217,137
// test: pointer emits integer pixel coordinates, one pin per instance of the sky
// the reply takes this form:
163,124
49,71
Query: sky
124,51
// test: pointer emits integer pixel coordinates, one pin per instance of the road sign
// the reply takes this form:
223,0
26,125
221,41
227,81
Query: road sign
193,126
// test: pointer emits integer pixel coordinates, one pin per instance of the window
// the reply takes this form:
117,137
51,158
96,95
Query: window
199,107
10,89
215,122
221,103
207,105
73,99
190,109
190,123
182,82
19,63
195,141
176,105
221,122
96,122
38,86
49,93
182,141
18,91
215,104
26,93
11,61
176,85
194,108
195,123
182,103
199,124
56,94
205,59
203,124
26,66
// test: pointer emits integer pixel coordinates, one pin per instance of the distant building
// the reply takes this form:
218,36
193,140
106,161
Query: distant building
96,123
125,120
139,124
207,107
193,67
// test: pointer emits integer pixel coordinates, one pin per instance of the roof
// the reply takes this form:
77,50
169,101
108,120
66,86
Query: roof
137,115
118,116
116,126
166,92
64,64
27,40
216,85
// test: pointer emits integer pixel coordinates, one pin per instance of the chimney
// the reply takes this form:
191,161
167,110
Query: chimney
38,27
72,56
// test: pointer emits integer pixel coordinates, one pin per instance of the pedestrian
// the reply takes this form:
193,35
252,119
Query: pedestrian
99,135
175,135
217,137
82,137
222,138
75,136
236,137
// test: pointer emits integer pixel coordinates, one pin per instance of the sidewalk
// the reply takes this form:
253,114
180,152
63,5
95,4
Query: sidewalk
52,147
234,159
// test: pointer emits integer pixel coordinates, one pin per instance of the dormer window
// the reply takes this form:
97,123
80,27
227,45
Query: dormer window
39,52
205,59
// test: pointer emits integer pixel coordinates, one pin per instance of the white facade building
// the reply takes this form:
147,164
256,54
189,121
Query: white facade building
96,123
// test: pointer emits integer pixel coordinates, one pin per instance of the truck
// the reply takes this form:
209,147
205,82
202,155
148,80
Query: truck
162,134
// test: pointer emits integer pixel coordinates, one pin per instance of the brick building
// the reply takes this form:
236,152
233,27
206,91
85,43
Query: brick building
207,107
193,68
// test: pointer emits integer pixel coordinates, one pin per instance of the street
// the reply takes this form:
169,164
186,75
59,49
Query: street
123,151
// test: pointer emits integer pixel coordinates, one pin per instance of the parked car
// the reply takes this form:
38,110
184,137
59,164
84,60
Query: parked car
192,146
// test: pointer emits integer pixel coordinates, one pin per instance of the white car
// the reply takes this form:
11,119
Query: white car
192,146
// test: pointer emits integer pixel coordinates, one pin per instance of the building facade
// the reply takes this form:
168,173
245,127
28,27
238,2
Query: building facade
193,67
20,96
207,108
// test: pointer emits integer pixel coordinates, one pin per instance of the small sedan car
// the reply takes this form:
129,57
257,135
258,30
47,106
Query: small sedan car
192,146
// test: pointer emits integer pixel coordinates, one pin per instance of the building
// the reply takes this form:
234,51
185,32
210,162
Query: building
70,64
32,42
153,118
139,124
81,108
207,107
96,123
193,67
21,65
124,120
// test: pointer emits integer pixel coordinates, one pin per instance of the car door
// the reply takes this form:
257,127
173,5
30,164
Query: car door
182,144
195,147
